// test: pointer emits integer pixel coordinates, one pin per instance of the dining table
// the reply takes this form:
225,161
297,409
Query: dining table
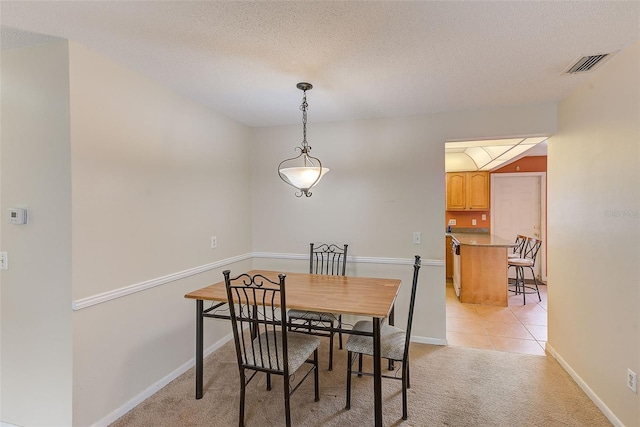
352,295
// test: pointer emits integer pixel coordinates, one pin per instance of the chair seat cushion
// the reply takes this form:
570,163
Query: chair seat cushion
312,315
521,262
300,346
391,344
513,255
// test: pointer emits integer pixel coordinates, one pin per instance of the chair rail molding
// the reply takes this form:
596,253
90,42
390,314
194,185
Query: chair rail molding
148,284
92,300
352,259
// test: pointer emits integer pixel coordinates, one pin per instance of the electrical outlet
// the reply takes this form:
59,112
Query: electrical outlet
632,381
417,238
484,217
4,261
214,242
452,222
474,222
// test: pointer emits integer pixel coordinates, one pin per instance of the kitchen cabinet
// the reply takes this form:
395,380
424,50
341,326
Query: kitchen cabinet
467,191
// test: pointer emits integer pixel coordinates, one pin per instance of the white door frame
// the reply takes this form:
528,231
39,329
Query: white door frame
543,211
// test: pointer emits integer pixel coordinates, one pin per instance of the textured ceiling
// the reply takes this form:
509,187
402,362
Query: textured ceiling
365,59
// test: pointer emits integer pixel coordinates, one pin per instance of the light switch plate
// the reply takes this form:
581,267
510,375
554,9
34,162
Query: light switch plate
632,381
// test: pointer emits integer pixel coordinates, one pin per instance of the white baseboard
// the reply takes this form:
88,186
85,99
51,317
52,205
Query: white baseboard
154,388
590,393
428,340
151,390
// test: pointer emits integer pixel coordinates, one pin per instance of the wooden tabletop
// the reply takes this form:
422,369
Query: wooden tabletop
365,296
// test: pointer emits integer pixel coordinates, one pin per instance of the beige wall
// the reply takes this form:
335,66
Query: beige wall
386,181
36,360
154,176
129,181
594,233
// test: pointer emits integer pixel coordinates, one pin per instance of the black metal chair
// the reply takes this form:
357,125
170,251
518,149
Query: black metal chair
519,247
526,260
516,253
394,346
327,259
257,308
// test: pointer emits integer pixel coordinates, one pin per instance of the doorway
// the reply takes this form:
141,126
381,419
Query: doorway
518,202
518,206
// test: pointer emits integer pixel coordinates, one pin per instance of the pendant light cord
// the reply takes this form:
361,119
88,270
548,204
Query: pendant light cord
304,107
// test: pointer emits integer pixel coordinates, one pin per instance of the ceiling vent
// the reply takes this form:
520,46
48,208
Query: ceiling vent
587,63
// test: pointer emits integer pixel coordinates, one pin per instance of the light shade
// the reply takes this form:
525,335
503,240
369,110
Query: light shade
309,174
304,177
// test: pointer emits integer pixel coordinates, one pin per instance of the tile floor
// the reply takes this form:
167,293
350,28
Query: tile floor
518,328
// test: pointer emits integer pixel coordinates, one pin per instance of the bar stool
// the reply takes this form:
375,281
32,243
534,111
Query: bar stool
516,252
526,260
517,249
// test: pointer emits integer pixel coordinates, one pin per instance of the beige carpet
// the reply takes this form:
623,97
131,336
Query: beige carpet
450,386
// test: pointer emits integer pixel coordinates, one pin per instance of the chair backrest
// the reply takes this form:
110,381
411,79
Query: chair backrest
257,306
520,243
531,249
328,259
412,303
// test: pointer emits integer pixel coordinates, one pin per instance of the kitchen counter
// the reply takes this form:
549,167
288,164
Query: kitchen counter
481,239
480,268
466,230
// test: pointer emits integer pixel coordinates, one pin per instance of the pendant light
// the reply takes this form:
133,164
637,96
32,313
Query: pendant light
302,171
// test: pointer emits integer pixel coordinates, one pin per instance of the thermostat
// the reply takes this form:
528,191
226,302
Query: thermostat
18,216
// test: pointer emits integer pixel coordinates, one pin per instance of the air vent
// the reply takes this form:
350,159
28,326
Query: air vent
587,63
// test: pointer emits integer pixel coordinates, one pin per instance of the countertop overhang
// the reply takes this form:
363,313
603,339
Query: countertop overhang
481,239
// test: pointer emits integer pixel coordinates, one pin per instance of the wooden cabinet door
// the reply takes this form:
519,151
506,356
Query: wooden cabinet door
467,191
456,191
477,190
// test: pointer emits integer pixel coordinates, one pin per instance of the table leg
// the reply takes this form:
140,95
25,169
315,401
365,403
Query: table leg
391,322
199,345
377,373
